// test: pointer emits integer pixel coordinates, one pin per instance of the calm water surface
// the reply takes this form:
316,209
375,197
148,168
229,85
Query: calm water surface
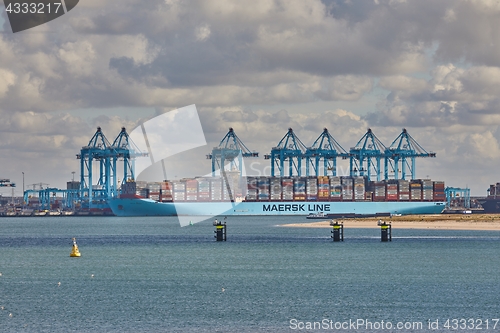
151,275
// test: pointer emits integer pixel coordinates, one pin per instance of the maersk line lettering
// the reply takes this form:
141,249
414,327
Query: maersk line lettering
296,208
284,208
318,208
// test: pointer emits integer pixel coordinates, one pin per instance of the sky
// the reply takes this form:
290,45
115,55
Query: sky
262,66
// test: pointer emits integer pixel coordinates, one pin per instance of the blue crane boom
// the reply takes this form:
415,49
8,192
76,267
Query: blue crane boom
404,147
123,147
289,148
325,148
231,149
368,148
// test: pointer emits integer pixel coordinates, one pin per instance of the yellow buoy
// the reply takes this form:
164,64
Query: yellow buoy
74,251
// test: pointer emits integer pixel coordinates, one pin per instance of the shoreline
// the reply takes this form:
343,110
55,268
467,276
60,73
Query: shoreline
438,222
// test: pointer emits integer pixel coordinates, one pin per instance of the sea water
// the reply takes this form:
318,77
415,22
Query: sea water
150,275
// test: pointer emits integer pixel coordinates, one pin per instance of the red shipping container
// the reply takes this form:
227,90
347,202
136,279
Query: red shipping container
391,197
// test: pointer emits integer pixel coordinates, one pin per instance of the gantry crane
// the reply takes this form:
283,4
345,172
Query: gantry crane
230,149
96,150
91,195
404,147
125,149
452,193
101,150
325,148
289,148
362,156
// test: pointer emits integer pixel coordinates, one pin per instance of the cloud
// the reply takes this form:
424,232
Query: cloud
484,145
403,84
239,116
7,79
165,54
452,96
78,58
345,88
202,33
468,32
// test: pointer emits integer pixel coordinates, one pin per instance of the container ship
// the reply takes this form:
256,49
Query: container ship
491,203
235,195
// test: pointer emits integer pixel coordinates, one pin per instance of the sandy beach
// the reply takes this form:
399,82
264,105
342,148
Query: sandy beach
449,222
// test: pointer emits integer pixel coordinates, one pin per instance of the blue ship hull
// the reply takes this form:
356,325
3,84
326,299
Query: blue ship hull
148,207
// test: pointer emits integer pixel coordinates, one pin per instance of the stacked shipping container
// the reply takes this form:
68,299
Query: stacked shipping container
359,188
179,191
323,188
320,188
215,189
263,184
347,188
191,190
299,189
439,194
378,189
166,191
415,190
141,189
154,191
251,189
403,190
128,188
312,188
427,190
335,189
276,189
203,189
142,192
391,191
287,186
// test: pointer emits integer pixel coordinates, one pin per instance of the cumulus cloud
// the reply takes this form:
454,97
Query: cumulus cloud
7,79
345,88
403,84
165,53
452,96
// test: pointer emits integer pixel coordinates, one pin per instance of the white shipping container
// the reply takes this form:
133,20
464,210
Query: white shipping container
404,196
416,195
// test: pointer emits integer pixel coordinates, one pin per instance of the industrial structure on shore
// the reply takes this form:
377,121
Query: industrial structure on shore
89,195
